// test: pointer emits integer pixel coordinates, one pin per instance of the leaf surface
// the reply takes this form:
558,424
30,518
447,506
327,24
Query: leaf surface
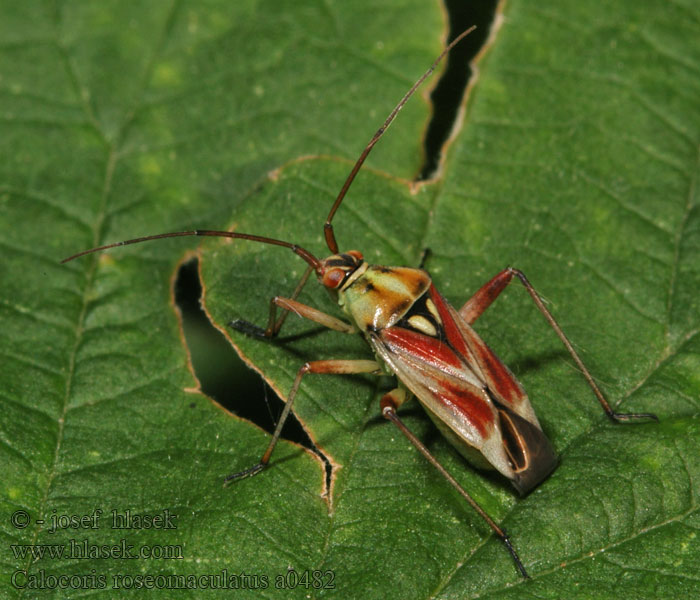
577,162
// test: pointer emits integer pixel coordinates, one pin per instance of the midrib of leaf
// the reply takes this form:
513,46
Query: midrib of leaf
72,355
462,120
83,94
436,197
689,206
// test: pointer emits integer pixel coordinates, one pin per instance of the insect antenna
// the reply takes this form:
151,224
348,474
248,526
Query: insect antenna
328,228
298,250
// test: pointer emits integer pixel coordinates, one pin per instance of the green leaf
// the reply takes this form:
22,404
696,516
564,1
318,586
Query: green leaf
576,162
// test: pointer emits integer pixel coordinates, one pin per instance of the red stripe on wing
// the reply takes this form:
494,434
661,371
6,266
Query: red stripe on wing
452,331
426,348
476,409
435,373
465,340
500,380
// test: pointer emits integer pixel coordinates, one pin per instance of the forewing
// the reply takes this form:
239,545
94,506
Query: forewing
468,392
443,382
482,360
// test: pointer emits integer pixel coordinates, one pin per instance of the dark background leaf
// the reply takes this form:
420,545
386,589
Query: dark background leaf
577,163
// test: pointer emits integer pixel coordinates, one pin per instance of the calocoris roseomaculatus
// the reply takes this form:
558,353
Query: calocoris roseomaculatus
470,395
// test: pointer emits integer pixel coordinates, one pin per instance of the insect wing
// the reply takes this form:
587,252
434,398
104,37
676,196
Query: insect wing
468,392
529,450
481,359
449,391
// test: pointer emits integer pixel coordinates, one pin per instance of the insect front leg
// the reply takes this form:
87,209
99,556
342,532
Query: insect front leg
335,367
479,302
389,404
302,310
273,324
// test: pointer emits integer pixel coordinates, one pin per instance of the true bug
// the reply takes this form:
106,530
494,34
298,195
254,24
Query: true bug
470,395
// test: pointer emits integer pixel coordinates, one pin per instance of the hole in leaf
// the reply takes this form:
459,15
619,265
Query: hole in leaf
223,376
448,93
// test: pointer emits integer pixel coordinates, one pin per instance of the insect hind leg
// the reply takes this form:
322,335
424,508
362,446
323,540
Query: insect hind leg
479,302
389,403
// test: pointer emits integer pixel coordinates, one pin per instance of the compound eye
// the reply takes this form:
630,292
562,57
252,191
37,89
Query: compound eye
333,278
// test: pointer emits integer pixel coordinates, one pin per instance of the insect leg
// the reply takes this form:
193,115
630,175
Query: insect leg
336,367
273,326
480,301
389,403
302,310
424,256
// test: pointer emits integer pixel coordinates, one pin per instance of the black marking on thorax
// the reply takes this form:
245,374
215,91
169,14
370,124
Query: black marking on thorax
424,318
